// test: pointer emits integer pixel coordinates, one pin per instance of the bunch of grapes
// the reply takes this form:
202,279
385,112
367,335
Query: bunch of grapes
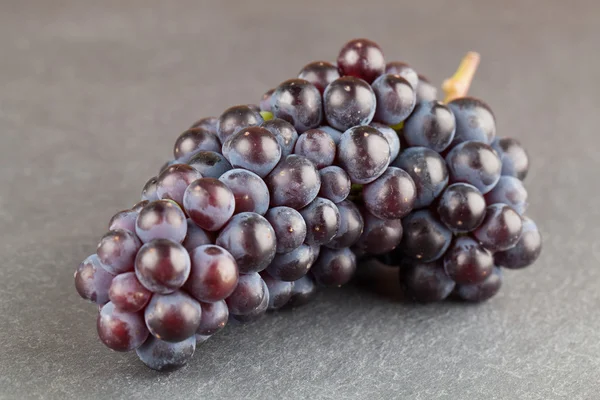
264,204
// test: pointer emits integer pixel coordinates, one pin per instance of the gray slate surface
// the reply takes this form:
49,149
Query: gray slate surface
92,95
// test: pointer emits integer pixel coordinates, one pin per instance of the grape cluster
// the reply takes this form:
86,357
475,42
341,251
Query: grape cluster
264,204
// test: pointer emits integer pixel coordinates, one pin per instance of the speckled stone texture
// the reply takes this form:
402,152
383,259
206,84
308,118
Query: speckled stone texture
92,97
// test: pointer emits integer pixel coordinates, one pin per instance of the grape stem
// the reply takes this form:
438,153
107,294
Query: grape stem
458,85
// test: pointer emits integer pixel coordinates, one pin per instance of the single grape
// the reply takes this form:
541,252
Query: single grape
427,169
475,163
236,118
256,313
363,153
510,191
173,181
127,293
284,132
194,140
335,183
250,191
253,148
294,182
317,146
425,238
165,356
117,249
395,99
120,330
425,90
214,318
293,265
92,281
251,241
162,266
362,58
334,267
474,120
514,157
196,236
379,235
289,227
279,291
333,133
265,100
303,291
525,252
137,207
149,190
481,291
173,317
123,220
391,136
391,196
461,207
161,219
248,294
322,221
351,226
431,125
501,228
208,123
209,203
468,262
348,102
425,282
209,164
403,70
214,273
298,102
320,74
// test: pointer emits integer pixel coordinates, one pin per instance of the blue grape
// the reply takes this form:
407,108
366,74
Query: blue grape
322,221
431,125
333,133
253,148
209,203
123,220
236,118
361,58
127,293
291,266
482,291
403,70
294,182
501,229
379,236
425,90
173,317
92,281
474,163
525,252
289,227
194,140
395,99
303,291
279,291
165,356
349,102
514,157
364,153
468,262
391,136
425,238
174,180
317,146
161,219
162,266
425,282
214,318
391,196
461,207
335,183
265,100
334,267
120,330
320,74
510,191
256,313
298,102
475,120
196,236
248,294
214,274
149,190
117,249
250,191
351,226
209,164
284,132
208,123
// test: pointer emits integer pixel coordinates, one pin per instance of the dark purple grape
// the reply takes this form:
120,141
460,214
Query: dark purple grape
294,182
250,191
265,100
279,291
196,236
194,140
236,118
214,318
431,125
149,190
173,181
475,163
320,74
322,221
335,183
333,133
291,266
481,291
461,207
468,262
425,238
117,249
391,196
162,266
427,169
475,120
214,274
173,317
364,153
120,330
127,293
253,148
255,107
289,227
92,281
258,312
161,219
349,102
208,123
248,294
303,291
425,282
425,90
164,356
391,136
514,157
284,132
123,220
298,102
362,58
510,191
525,252
137,207
334,267
209,203
395,99
317,146
403,70
210,164
351,226
501,228
379,235
251,241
